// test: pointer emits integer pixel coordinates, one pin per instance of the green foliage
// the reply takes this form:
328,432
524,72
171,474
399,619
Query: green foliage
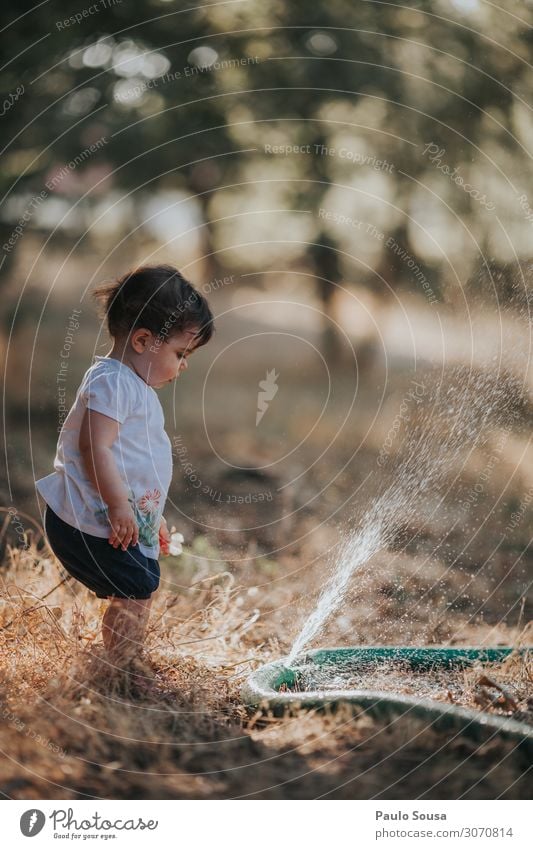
394,78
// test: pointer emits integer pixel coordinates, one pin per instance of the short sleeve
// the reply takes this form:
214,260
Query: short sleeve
110,393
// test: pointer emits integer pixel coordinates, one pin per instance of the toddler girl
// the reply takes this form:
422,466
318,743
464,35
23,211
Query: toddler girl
113,465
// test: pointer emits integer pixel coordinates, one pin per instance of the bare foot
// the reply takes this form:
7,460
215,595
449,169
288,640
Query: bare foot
141,675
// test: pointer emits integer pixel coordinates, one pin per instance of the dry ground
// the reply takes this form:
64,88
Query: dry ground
72,728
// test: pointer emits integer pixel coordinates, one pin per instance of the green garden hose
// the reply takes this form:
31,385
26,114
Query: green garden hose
263,689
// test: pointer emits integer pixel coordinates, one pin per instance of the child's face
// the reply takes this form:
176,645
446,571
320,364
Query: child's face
161,362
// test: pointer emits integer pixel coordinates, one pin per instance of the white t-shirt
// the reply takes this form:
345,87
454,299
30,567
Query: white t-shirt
142,451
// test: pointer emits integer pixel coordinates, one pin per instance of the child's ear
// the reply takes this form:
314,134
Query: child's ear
141,339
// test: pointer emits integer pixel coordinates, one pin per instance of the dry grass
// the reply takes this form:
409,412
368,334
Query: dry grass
71,726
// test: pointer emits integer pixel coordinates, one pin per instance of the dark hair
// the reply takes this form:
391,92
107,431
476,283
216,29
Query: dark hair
156,297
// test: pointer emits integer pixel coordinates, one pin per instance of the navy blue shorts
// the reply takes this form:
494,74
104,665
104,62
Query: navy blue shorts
105,570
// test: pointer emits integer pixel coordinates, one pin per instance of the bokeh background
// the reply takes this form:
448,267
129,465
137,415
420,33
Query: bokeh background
349,183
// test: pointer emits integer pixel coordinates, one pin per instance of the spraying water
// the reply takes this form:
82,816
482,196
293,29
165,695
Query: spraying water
356,552
445,420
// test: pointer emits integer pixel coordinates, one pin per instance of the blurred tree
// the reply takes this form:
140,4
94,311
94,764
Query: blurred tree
144,78
325,260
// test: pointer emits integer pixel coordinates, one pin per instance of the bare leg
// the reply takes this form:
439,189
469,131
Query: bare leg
124,627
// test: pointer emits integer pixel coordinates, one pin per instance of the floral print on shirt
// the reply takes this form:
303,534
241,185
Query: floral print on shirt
147,515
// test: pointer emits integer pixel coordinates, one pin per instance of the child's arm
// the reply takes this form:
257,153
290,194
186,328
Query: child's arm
97,434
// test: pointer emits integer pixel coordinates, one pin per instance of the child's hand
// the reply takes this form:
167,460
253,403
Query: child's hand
164,536
170,542
124,527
